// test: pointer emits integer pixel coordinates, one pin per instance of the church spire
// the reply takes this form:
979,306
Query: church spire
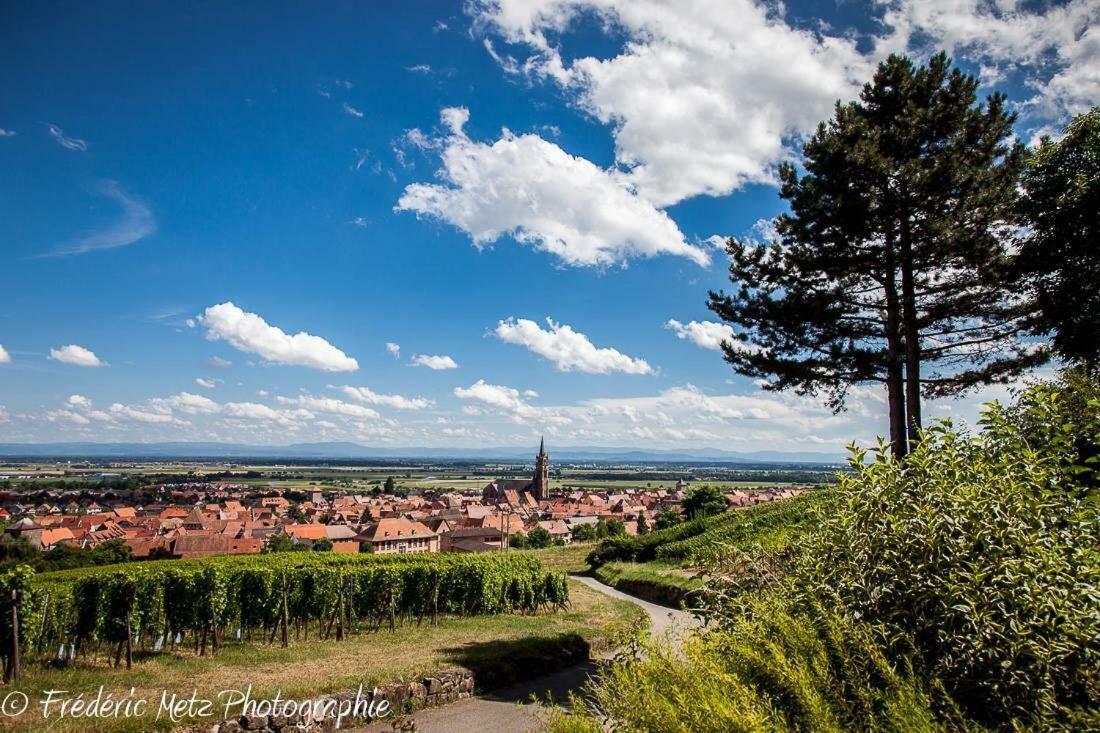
542,445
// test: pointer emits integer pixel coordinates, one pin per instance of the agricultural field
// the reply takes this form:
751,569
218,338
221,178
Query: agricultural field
661,565
311,666
408,477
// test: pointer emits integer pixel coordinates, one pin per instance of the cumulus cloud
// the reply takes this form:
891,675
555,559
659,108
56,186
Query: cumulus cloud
569,350
434,362
706,334
142,415
187,402
80,401
136,223
532,190
707,96
77,356
394,349
216,362
5,357
396,401
495,396
69,143
704,95
330,406
207,383
7,133
250,333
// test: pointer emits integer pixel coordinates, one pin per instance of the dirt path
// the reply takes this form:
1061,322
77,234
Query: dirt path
510,710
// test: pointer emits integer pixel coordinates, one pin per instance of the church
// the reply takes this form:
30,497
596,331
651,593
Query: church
520,492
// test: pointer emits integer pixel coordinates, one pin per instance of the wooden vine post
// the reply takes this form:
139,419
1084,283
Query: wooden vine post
11,670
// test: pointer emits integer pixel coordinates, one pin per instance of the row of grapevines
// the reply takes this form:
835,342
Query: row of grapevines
771,525
158,604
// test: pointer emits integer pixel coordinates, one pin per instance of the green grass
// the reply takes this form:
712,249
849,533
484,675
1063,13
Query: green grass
311,667
657,582
569,559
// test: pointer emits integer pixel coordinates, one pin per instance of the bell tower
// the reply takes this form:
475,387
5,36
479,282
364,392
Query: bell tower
541,484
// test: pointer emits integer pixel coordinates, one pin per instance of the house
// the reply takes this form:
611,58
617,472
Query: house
557,529
485,535
189,546
397,535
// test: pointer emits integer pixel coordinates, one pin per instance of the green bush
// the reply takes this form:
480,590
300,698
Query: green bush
777,669
979,550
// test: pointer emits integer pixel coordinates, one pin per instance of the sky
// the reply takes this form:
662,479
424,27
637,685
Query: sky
436,224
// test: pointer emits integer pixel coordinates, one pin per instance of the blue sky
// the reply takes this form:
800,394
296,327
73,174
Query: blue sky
186,189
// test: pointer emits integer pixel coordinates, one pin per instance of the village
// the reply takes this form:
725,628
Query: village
216,518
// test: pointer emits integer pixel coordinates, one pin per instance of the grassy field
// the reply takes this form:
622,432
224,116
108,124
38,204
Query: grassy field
313,667
568,559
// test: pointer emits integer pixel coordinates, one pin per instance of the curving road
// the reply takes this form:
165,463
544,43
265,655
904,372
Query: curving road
510,710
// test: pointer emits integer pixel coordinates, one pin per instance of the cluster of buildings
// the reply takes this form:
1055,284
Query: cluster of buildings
226,519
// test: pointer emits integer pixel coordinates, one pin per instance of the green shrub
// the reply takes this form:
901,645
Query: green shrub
777,669
977,549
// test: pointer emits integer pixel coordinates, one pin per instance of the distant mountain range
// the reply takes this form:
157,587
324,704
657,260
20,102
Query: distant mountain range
351,451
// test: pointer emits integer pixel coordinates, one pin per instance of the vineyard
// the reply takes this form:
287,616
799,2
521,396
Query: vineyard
771,525
160,605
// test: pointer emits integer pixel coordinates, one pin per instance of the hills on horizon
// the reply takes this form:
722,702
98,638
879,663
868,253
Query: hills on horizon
348,450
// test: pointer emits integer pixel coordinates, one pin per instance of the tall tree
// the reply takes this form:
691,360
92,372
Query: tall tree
890,267
1060,254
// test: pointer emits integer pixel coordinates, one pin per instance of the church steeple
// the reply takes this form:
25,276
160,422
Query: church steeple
541,485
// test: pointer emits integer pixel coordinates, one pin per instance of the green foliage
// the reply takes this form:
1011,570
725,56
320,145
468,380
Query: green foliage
610,528
323,545
539,538
778,669
703,501
666,518
771,524
214,596
584,532
978,550
1059,257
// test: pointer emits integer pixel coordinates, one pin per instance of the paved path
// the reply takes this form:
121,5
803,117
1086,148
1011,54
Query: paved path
510,710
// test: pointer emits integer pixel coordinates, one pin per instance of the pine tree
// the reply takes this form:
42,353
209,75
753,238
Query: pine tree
890,267
1060,256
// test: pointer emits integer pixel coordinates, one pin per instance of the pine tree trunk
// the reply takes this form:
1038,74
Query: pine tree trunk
912,334
894,348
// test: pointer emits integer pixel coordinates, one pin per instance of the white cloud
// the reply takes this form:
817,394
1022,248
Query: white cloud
136,223
80,401
5,357
7,133
419,69
534,191
250,333
394,349
77,356
192,404
434,362
207,383
216,362
706,334
330,406
703,96
496,396
569,350
396,401
69,143
706,96
140,415
352,111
